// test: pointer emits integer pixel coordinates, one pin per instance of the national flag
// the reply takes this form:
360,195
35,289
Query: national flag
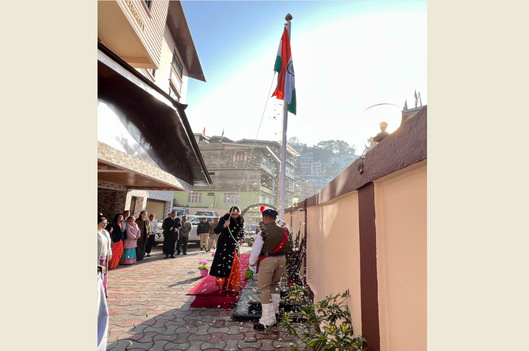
285,89
204,132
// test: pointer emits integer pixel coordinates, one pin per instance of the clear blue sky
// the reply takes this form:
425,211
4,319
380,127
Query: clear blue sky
347,55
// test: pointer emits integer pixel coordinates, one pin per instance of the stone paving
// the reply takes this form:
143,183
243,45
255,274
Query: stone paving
149,310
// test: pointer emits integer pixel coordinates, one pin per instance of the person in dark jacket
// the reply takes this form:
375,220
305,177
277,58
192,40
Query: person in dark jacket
152,234
117,236
185,229
203,233
170,227
225,265
145,228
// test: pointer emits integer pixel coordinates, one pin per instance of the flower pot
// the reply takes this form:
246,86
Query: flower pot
203,272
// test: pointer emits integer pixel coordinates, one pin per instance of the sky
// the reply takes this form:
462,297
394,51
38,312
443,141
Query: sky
347,56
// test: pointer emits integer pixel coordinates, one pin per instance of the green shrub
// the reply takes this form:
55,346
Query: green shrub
324,326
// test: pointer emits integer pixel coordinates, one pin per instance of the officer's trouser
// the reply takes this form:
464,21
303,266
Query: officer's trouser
269,277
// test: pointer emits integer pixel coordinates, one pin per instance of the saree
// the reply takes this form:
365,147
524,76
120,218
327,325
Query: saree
233,281
117,251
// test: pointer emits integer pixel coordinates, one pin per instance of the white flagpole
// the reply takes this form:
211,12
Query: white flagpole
282,173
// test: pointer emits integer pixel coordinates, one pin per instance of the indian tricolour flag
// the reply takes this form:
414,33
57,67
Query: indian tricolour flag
285,89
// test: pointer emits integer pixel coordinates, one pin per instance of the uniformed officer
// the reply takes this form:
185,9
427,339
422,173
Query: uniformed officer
271,244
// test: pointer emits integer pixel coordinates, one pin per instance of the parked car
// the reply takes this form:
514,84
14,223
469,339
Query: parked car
206,213
250,232
193,236
181,211
159,233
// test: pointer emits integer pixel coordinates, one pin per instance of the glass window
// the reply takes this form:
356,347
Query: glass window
231,198
148,3
240,157
177,64
173,93
194,198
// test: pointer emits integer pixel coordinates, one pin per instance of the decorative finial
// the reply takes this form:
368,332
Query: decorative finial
288,17
405,105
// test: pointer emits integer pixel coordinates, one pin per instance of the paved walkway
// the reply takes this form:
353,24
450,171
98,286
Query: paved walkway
149,310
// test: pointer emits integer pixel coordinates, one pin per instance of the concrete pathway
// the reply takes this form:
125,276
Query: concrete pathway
149,310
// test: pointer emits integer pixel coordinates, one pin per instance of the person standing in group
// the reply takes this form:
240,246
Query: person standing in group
170,227
271,245
104,250
126,214
117,236
225,265
181,245
203,233
152,234
212,241
145,228
130,243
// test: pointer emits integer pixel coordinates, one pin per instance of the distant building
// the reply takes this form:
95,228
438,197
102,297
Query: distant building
146,150
316,168
243,173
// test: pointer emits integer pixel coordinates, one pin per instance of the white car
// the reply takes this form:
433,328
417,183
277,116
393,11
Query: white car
193,236
206,213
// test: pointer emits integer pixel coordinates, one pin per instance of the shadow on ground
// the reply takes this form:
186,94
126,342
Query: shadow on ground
197,329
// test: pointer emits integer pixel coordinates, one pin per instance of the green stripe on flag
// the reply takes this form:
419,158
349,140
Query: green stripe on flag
277,65
292,106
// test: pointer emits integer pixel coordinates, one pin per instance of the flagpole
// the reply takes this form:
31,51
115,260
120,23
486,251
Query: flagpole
282,173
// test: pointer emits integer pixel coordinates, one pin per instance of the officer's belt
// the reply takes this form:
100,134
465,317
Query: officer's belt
272,254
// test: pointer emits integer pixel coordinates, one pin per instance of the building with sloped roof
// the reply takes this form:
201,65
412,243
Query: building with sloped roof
146,150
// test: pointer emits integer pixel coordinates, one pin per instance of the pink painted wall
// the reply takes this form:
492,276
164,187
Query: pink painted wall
400,205
333,252
333,255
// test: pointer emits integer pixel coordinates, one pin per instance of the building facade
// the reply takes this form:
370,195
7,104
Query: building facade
243,173
146,149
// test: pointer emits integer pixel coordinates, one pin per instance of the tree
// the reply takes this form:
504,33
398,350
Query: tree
335,147
297,145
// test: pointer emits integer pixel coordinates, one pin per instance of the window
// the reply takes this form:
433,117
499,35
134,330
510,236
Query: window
173,93
177,64
148,3
194,198
231,198
152,71
240,157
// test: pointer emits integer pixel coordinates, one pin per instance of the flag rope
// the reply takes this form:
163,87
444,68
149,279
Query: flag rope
257,134
251,152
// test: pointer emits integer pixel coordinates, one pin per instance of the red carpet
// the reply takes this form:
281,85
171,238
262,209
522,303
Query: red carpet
207,293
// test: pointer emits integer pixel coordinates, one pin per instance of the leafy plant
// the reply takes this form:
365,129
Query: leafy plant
294,269
202,265
325,325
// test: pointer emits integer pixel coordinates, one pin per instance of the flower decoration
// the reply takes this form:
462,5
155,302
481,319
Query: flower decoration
203,265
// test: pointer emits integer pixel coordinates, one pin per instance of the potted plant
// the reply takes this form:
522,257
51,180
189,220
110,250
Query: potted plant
203,267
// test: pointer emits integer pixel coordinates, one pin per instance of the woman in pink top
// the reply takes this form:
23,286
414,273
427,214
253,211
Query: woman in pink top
129,245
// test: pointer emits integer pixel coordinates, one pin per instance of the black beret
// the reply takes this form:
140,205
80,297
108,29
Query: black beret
270,213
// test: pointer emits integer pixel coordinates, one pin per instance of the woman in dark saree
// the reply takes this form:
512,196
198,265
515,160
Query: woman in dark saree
225,265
